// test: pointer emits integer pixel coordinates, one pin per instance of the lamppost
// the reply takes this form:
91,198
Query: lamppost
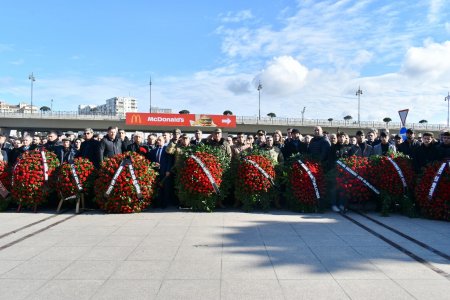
150,84
359,93
259,88
32,79
448,108
303,113
51,105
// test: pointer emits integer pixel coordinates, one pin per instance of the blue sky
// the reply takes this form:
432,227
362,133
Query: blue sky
207,56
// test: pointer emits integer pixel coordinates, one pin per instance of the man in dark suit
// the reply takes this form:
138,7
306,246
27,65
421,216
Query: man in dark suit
26,145
89,148
163,163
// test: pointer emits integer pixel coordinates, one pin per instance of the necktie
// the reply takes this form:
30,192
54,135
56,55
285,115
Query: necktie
158,155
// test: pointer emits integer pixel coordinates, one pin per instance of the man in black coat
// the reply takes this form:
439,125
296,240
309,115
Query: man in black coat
52,141
409,146
110,145
426,153
65,152
90,147
137,145
293,145
319,146
444,146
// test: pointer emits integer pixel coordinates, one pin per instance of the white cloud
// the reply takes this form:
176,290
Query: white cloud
17,62
283,76
435,10
231,17
431,61
238,87
6,47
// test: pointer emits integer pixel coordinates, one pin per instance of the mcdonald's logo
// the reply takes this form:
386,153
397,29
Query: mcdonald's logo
135,119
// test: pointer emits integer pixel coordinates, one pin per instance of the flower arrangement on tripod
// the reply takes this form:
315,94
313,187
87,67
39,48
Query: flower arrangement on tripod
352,178
255,180
5,185
34,177
125,184
200,181
393,176
433,191
306,184
77,178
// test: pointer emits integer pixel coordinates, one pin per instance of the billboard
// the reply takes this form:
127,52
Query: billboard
180,120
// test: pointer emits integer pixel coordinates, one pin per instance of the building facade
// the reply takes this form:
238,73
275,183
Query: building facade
20,108
116,106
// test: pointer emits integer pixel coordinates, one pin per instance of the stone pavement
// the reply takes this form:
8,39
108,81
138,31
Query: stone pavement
222,255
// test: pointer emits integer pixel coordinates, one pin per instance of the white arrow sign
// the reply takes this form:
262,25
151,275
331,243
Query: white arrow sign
227,120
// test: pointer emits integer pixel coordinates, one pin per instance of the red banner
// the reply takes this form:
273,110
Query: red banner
180,120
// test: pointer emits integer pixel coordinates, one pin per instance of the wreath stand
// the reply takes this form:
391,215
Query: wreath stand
80,199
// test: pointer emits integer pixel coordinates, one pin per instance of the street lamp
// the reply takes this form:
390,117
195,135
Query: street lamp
303,113
32,79
359,93
51,106
259,88
150,84
448,108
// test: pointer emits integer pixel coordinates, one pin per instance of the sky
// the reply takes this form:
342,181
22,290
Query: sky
209,56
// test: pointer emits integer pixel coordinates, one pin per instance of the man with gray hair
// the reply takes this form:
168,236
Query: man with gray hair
138,145
89,148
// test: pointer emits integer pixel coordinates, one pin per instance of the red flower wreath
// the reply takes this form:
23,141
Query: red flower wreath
85,172
252,187
302,188
388,181
29,186
438,207
123,197
5,179
351,188
195,189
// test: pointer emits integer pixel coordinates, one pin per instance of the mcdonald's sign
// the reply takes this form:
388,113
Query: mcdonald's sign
180,120
133,119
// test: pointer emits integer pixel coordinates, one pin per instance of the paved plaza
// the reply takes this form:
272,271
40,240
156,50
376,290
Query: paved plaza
222,255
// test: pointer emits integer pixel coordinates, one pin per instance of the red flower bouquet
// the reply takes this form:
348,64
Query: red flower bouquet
353,175
199,180
5,185
306,184
76,179
125,183
433,191
255,181
33,177
394,177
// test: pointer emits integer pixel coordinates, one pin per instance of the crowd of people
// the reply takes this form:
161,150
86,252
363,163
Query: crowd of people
165,149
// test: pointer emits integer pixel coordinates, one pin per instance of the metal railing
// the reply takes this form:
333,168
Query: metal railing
243,120
335,123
